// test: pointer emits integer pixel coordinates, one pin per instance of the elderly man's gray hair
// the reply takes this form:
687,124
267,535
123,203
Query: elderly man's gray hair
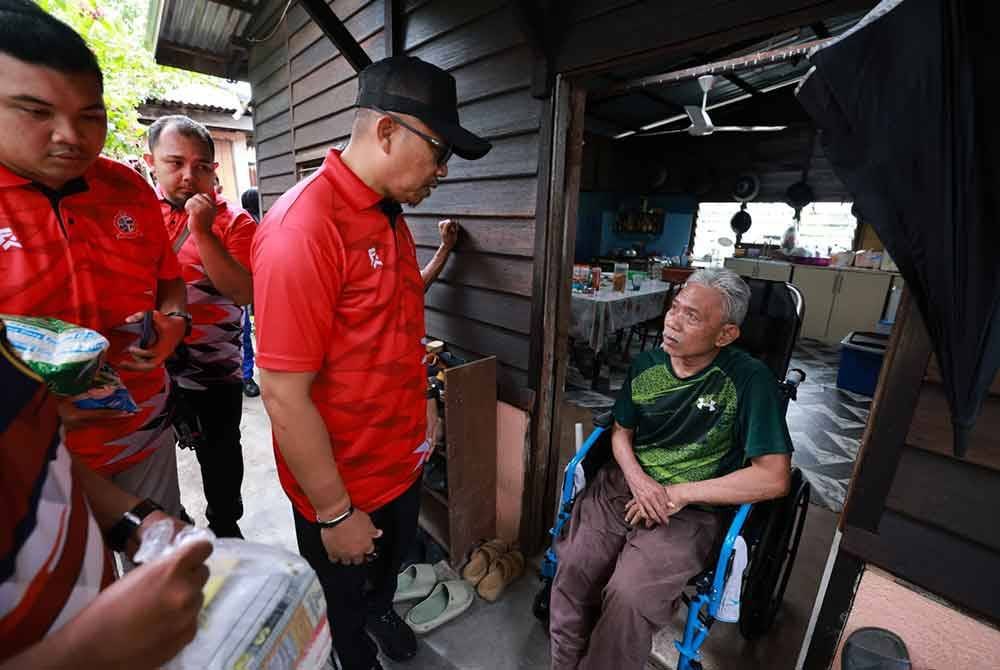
735,292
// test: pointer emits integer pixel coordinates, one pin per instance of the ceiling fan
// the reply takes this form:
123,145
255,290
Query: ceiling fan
702,125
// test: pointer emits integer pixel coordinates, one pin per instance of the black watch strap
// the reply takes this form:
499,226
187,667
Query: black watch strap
119,534
187,319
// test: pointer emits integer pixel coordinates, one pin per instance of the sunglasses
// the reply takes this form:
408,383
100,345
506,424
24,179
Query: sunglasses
442,151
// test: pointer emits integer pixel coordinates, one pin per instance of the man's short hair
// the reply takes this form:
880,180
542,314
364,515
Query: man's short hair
735,292
251,202
185,126
31,35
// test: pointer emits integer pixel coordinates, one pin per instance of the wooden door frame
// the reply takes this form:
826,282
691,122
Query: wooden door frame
560,161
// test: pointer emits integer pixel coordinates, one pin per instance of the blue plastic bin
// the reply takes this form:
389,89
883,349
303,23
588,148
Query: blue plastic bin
861,357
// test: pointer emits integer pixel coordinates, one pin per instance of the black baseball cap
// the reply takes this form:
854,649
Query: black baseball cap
408,85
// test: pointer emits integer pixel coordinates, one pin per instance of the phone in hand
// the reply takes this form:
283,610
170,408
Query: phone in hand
148,337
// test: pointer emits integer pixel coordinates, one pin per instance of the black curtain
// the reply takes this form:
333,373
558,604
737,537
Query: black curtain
907,112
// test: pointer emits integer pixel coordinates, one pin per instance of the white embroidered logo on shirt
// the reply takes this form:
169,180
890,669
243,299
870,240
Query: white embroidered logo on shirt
706,402
373,257
8,240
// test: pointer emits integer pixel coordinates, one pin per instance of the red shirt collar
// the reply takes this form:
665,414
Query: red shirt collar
8,179
355,192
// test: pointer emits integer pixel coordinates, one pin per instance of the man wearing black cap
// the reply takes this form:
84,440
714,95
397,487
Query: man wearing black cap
339,300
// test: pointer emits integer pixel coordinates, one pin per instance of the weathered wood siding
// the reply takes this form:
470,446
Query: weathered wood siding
304,93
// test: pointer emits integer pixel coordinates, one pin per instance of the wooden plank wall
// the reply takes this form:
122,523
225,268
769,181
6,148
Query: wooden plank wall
304,93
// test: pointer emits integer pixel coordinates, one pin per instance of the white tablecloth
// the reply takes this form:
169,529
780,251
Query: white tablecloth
594,316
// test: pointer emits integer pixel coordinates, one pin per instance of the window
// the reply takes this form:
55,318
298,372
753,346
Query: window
825,226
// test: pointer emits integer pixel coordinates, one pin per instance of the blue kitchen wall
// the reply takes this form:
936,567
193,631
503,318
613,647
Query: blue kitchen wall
595,234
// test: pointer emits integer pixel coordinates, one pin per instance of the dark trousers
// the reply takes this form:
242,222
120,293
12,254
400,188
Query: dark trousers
219,409
353,592
247,345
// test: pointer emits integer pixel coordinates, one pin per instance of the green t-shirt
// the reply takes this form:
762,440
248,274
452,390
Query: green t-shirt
706,425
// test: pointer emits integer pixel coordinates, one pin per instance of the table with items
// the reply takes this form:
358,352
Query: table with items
595,315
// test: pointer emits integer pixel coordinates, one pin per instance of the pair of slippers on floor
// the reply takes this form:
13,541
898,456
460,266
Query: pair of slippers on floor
441,601
491,567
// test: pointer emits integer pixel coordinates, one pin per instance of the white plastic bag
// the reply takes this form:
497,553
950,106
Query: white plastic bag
264,608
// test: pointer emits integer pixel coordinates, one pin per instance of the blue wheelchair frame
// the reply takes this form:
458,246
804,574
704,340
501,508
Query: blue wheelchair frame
696,628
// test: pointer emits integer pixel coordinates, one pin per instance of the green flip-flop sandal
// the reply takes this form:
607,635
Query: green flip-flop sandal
446,601
415,582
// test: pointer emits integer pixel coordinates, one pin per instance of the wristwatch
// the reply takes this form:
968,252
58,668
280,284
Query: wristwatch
187,319
120,533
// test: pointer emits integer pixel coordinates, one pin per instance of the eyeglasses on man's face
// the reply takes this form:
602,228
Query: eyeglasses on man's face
442,151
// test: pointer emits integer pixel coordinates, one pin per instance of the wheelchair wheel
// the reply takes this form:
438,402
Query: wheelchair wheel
774,541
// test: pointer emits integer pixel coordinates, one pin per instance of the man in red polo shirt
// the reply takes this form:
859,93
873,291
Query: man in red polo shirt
212,238
82,240
339,300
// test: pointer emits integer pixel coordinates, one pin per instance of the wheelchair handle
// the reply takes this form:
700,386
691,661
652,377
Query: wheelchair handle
795,377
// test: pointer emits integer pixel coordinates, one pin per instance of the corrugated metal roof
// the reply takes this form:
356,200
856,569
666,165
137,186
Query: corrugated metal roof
199,35
203,25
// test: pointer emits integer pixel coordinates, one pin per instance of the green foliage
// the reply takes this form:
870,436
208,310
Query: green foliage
114,30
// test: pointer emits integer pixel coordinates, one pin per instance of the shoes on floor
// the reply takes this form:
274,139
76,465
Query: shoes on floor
481,558
448,600
502,572
250,388
415,582
395,638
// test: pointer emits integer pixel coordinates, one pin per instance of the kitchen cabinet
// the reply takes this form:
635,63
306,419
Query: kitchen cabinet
859,298
838,301
817,286
760,269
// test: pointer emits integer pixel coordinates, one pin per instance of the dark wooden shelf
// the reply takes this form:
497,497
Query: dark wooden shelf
467,513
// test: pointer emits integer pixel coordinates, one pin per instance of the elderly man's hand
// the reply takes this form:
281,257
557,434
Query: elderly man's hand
635,516
650,496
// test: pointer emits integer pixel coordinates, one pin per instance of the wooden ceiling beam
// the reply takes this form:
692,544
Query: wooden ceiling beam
334,29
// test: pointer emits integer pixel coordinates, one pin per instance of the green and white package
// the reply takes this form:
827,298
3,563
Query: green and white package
66,356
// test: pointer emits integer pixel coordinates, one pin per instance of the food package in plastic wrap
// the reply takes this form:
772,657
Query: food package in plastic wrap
264,608
66,356
71,361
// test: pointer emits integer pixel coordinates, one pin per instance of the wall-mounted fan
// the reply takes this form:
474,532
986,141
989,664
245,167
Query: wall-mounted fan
701,123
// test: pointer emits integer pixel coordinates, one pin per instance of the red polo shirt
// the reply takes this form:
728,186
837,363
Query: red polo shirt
338,291
211,353
91,255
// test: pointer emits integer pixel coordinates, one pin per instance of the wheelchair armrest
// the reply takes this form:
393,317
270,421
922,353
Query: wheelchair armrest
604,419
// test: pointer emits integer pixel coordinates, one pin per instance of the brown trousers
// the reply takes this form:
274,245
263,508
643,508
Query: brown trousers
617,585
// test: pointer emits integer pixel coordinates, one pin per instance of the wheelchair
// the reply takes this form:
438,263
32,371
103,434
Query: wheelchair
771,529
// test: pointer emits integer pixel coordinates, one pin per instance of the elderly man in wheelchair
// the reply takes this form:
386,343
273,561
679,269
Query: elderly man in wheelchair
699,428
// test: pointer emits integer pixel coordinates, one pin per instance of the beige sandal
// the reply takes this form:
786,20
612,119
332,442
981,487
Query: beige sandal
502,572
481,559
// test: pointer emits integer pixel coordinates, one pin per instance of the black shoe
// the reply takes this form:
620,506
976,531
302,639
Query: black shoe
250,388
395,638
